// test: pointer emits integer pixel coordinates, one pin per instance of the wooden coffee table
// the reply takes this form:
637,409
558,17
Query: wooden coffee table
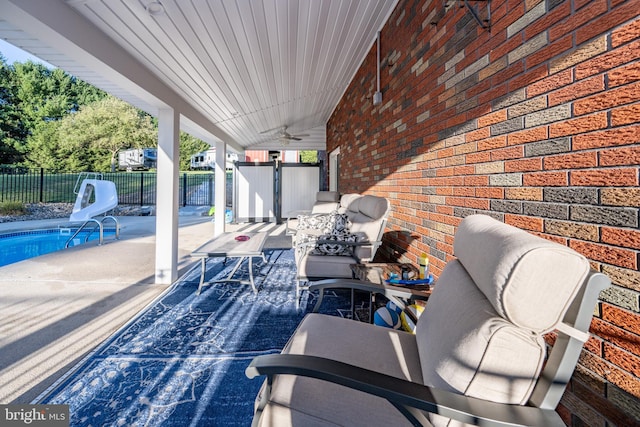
244,246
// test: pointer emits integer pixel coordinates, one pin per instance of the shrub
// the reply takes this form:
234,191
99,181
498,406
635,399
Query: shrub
12,208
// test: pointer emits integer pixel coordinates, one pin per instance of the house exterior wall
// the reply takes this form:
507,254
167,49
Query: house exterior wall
286,156
536,123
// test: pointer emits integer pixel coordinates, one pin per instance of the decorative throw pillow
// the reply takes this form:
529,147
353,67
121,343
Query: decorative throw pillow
337,223
326,247
313,222
328,223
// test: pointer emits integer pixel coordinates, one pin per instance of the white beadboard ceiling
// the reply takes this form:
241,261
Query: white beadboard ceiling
238,67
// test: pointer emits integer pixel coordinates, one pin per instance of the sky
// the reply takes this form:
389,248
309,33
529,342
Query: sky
14,54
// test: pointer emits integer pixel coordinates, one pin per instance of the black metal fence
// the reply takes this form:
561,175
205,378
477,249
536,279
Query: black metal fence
134,188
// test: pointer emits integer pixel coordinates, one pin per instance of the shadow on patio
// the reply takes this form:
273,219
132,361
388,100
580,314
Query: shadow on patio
181,360
58,307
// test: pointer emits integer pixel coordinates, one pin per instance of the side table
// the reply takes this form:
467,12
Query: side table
378,273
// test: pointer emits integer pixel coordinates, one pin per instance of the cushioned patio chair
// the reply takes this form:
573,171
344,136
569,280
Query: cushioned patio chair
478,356
326,202
350,236
315,222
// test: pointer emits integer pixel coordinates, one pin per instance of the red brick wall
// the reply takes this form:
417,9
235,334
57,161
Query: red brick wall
537,123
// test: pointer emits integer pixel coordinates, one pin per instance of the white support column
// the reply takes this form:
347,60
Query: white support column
167,196
220,180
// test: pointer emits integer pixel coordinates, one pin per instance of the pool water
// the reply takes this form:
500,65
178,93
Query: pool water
23,245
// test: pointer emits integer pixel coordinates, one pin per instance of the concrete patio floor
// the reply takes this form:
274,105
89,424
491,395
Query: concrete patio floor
58,307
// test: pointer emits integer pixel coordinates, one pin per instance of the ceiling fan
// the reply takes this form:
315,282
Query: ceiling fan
283,136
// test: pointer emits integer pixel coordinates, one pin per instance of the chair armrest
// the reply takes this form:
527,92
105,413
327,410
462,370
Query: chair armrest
289,229
345,243
342,242
394,293
306,246
404,394
313,243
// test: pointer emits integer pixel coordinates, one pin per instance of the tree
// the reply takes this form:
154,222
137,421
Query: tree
108,126
91,138
44,149
13,131
50,94
308,156
190,145
31,95
50,119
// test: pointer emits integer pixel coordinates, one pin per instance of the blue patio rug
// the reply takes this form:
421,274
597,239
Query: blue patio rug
181,361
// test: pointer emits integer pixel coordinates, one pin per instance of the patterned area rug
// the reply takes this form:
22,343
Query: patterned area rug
181,361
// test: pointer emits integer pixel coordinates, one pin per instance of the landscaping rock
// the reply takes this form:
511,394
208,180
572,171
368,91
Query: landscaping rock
63,210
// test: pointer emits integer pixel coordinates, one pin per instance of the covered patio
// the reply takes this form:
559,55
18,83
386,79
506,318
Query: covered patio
237,75
529,113
59,307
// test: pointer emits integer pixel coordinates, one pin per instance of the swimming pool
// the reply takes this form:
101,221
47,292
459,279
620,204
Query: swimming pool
21,245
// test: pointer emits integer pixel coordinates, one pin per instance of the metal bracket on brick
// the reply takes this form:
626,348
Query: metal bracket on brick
474,10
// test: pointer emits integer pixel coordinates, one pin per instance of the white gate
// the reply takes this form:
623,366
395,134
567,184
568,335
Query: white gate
254,192
264,192
299,183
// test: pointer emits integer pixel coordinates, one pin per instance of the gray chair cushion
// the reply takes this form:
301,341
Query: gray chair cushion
464,344
327,196
490,308
326,202
322,265
373,207
349,202
390,351
518,272
368,222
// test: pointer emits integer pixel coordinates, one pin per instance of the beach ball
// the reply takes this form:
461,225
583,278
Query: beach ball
394,307
408,324
387,318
